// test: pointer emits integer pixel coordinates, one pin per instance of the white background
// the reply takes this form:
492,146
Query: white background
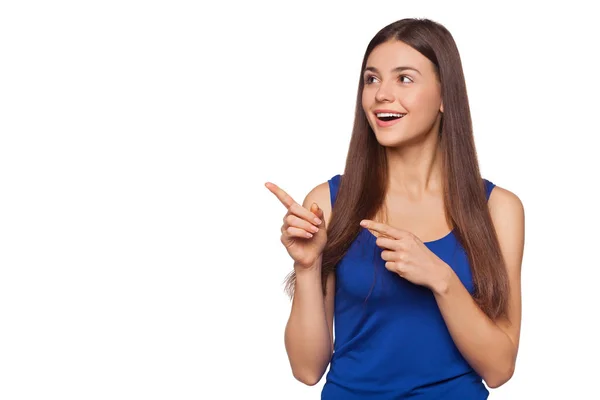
139,249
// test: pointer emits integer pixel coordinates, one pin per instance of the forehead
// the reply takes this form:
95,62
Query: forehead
394,53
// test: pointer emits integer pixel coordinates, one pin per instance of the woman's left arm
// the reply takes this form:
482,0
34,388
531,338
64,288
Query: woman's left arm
489,346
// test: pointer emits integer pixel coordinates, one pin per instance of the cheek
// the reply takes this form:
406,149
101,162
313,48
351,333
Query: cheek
365,101
424,104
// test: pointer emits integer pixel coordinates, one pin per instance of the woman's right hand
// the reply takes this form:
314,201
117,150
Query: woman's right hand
303,232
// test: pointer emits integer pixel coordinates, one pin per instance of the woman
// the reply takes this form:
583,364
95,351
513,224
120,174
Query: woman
415,255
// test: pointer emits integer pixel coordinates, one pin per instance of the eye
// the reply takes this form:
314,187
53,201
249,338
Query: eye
405,77
368,80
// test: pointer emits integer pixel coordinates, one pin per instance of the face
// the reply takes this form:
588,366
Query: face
402,95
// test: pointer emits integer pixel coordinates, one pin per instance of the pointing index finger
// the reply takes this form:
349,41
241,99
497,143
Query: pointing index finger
283,197
292,205
381,228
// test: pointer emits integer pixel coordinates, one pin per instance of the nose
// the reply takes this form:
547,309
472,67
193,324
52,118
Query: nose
384,93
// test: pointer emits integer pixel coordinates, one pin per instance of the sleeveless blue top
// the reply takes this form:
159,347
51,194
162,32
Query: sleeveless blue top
391,341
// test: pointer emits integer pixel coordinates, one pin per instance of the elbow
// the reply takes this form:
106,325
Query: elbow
310,376
307,378
500,376
309,373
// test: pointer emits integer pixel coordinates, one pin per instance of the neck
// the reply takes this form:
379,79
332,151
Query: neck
415,169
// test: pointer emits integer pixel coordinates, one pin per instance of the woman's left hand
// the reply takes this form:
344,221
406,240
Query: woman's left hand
406,255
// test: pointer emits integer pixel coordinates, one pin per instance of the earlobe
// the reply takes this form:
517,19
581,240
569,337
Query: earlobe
442,108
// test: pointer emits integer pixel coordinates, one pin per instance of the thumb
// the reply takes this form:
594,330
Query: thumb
316,210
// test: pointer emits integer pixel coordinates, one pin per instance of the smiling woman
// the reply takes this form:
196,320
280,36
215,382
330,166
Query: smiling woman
414,255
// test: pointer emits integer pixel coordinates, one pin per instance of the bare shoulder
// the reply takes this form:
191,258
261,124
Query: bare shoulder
505,204
320,194
508,215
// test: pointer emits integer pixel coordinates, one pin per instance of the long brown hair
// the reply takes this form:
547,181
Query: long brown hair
363,185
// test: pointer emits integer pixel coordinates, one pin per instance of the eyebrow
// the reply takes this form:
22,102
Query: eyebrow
397,69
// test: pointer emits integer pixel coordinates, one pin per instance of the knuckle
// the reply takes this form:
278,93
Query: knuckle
294,208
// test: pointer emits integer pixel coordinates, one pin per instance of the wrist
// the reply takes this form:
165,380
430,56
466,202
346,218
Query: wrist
444,280
315,266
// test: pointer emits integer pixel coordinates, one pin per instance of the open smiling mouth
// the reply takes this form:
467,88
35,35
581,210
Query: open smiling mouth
387,118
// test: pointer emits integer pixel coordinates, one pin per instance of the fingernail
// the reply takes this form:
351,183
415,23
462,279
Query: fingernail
318,221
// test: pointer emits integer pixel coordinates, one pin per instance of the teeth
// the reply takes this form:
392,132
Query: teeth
382,115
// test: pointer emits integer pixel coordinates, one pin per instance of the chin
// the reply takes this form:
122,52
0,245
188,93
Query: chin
398,138
391,143
389,138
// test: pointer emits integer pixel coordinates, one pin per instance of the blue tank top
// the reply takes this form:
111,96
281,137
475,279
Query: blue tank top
395,343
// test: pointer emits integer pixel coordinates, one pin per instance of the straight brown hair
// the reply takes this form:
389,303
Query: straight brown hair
363,185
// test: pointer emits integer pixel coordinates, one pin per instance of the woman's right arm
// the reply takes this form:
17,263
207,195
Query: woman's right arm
309,330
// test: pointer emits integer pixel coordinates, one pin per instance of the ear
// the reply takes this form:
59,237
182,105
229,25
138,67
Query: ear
442,108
